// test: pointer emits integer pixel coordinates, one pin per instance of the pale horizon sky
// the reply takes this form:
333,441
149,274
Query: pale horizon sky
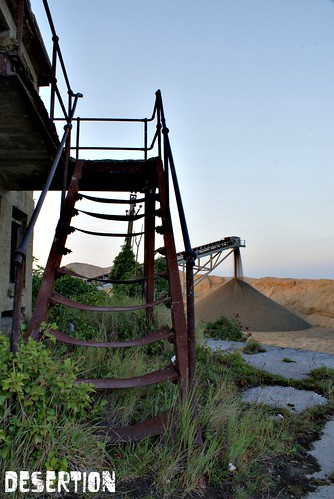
249,101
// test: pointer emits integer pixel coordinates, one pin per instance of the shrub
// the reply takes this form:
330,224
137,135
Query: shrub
125,267
224,328
43,411
161,281
71,287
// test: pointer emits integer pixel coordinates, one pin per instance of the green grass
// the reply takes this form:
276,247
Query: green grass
252,347
173,464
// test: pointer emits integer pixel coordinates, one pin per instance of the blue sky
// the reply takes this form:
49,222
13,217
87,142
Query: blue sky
248,89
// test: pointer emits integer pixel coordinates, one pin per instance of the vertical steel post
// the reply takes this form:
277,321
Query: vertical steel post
77,139
190,262
19,30
55,40
65,173
145,138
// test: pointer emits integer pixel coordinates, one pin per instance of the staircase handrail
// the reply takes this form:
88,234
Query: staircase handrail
20,252
24,11
189,253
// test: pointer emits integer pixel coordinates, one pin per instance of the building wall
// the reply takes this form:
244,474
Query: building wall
8,37
15,207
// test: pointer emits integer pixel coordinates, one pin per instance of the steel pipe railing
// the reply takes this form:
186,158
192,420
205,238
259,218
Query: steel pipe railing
20,253
161,141
25,15
189,254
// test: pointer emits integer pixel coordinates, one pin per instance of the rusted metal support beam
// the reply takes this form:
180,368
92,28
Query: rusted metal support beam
149,428
190,261
149,241
20,253
48,282
178,317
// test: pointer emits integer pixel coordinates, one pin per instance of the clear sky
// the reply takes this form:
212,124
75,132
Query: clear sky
248,90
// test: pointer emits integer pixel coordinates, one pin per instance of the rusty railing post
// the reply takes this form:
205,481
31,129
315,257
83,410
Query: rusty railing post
55,40
21,251
190,262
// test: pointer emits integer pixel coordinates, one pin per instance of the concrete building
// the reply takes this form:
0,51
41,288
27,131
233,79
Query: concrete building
28,140
15,210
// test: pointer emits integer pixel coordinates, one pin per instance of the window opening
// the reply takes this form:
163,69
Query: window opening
19,224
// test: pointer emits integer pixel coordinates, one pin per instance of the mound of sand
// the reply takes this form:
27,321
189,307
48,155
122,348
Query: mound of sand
255,311
311,299
88,270
207,285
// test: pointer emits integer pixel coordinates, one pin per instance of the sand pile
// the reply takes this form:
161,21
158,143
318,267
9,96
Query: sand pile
207,285
313,300
254,310
88,270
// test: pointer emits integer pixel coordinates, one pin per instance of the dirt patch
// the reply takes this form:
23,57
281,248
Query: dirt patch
255,311
317,339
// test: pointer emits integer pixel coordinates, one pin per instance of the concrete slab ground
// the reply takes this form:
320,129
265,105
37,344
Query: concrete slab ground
285,397
323,452
292,364
286,362
324,492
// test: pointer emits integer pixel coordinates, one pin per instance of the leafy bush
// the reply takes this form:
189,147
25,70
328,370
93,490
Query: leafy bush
37,274
125,267
71,287
41,406
161,281
224,328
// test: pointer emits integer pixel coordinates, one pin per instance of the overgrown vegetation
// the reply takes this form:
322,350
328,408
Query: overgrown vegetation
125,267
225,328
47,420
241,443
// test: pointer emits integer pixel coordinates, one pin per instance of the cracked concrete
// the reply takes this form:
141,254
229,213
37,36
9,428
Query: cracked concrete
286,397
323,453
292,364
286,362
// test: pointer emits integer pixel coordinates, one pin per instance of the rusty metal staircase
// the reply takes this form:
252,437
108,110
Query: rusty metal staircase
149,177
27,165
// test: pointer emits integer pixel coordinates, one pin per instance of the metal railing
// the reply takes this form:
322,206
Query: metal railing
25,16
20,252
189,254
160,142
56,65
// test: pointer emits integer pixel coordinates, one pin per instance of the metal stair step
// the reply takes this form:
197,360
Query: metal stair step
167,373
67,302
165,333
